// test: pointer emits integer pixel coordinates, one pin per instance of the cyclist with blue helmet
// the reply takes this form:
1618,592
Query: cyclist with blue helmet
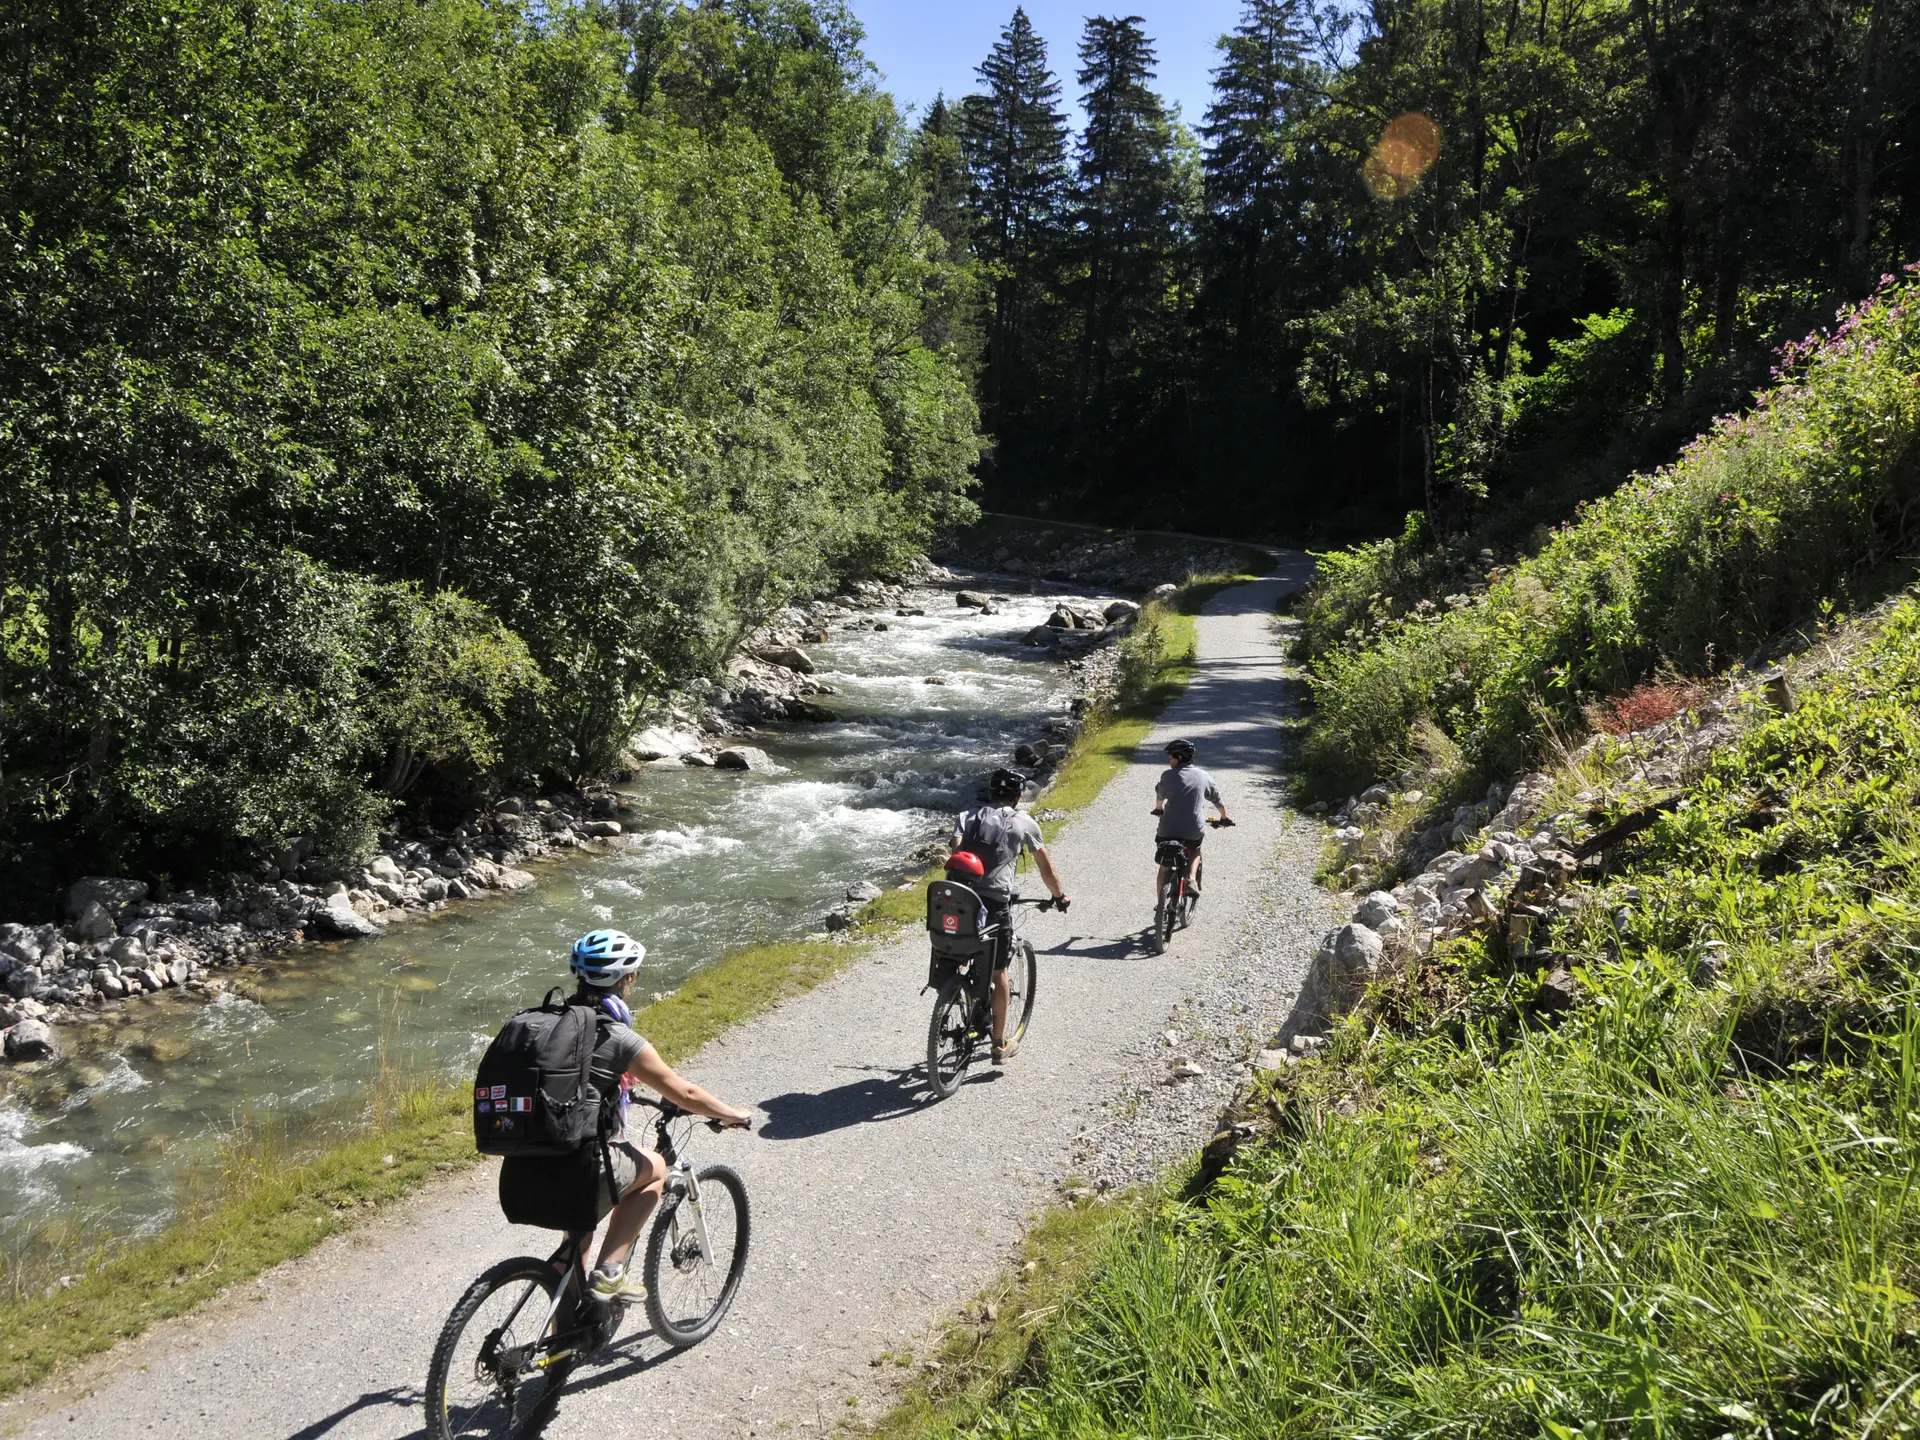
605,963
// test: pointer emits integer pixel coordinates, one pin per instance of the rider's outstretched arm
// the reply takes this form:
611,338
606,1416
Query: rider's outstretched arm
650,1070
1044,863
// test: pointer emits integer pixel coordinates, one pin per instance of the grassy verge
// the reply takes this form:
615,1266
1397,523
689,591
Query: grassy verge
266,1210
992,1345
1675,1198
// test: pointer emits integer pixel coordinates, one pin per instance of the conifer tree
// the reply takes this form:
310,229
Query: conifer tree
1265,86
1126,221
1015,140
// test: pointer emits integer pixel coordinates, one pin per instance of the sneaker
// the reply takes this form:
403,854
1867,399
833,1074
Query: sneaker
1005,1052
612,1282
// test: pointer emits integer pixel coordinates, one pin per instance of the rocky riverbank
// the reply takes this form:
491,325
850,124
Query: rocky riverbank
116,939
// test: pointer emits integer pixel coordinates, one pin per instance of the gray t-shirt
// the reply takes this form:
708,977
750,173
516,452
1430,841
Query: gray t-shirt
1188,790
1024,830
618,1048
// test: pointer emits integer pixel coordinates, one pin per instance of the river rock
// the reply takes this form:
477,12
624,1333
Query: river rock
96,922
1163,592
973,598
1122,612
747,757
1040,635
602,829
863,891
458,890
296,854
482,872
433,888
658,743
117,897
839,918
26,981
108,983
382,868
788,657
338,917
508,806
699,759
1060,619
32,1040
514,880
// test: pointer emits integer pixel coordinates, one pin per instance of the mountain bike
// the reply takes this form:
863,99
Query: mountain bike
523,1326
963,1005
1173,905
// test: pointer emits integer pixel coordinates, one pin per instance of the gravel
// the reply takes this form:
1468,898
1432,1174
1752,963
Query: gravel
876,1215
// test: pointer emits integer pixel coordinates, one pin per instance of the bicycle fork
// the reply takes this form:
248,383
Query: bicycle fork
682,1192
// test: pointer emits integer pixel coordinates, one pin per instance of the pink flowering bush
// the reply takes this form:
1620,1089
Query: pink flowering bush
1803,498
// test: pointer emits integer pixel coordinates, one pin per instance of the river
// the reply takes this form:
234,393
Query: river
136,1121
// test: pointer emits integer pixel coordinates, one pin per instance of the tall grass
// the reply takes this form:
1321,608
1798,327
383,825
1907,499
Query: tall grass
1802,501
1689,1208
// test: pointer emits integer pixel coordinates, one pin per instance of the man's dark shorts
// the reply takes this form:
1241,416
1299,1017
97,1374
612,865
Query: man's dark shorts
1000,913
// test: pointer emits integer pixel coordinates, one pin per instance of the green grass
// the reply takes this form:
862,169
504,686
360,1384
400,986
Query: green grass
1687,1207
989,1347
1806,500
263,1208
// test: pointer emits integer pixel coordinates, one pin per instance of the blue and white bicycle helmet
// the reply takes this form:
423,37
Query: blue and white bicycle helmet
603,958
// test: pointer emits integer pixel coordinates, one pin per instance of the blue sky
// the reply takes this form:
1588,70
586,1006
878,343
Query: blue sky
924,46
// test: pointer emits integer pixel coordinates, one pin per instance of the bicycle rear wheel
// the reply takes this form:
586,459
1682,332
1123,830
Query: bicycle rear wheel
696,1256
489,1376
1166,913
950,1038
1023,981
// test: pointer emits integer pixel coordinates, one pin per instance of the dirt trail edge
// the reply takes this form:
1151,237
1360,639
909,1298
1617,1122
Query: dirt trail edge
875,1214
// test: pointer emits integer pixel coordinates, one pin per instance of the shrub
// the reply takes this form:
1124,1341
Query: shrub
1799,501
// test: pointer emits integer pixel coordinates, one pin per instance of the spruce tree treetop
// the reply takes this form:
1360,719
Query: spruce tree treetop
1015,137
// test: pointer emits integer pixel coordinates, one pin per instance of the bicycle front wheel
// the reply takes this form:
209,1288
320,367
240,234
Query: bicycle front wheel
1023,980
696,1256
490,1374
950,1037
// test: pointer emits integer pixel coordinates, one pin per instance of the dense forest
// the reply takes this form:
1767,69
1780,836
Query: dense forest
1472,258
395,394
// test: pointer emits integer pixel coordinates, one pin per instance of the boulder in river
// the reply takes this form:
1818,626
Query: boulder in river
338,917
602,829
747,757
32,1040
509,879
973,598
382,868
116,897
1122,612
863,891
788,657
658,743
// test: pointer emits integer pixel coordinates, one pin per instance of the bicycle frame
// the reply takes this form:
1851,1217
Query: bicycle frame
681,1189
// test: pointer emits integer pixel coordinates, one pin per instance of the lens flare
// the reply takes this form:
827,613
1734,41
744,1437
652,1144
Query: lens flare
1403,153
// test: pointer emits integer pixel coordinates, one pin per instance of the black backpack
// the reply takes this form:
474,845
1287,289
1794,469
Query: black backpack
534,1092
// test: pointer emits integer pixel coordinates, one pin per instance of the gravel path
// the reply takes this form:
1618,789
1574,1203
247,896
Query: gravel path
875,1215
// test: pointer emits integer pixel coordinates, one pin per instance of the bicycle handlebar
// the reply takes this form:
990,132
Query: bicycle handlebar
670,1111
1047,903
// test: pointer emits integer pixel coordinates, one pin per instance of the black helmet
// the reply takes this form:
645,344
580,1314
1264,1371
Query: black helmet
1006,785
1181,750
